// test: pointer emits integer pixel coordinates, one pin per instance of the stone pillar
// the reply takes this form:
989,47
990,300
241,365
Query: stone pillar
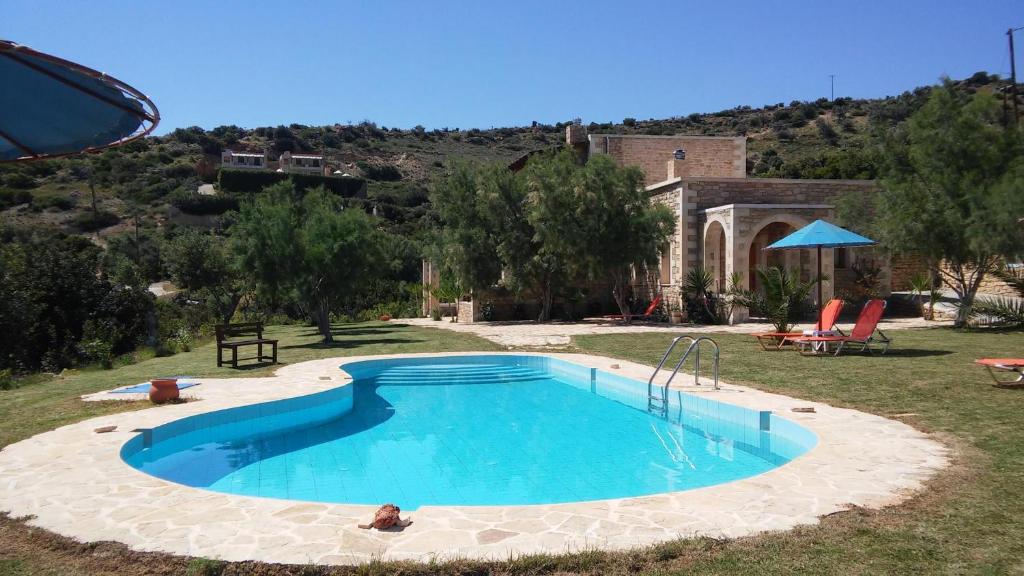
737,256
430,278
468,312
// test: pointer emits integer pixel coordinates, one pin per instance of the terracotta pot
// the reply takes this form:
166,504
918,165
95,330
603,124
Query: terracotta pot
163,390
675,318
385,318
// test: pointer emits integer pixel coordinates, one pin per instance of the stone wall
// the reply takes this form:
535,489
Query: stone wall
712,192
902,268
709,156
993,286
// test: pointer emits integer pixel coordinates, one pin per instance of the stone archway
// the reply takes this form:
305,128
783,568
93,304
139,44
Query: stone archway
759,258
715,250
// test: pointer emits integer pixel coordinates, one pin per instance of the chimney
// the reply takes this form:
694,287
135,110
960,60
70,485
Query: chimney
575,133
676,167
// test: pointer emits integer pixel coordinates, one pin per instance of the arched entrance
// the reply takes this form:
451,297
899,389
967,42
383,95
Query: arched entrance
714,255
760,258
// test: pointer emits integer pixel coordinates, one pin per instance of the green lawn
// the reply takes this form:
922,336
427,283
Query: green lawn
48,404
970,520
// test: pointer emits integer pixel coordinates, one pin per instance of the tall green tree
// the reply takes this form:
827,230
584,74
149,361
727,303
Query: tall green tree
200,262
467,246
309,247
623,230
555,213
953,189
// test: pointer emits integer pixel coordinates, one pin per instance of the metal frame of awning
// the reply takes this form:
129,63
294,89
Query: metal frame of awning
149,116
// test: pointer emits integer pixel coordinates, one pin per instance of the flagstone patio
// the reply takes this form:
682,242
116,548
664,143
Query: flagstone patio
72,481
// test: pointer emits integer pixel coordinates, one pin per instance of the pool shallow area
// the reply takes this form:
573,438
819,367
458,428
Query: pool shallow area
469,430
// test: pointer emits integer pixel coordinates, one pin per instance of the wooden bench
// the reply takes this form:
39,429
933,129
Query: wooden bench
233,336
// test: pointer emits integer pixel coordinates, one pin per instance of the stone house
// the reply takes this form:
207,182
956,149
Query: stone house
286,162
724,219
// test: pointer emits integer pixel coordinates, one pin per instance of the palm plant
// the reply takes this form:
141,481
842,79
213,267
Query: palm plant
1003,310
783,298
700,300
919,284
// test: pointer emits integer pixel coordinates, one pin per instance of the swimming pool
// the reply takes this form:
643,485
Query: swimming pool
469,430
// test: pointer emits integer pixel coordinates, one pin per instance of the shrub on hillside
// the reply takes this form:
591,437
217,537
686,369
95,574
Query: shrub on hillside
203,205
10,198
91,222
827,132
19,180
55,310
380,171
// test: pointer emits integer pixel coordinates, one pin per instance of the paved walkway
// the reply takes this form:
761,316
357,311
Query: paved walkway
559,334
72,481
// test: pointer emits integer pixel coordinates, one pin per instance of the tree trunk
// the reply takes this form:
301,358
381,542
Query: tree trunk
323,320
92,192
965,281
228,312
619,294
545,300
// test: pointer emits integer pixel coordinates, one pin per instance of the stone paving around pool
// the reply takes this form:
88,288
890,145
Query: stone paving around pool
559,334
72,481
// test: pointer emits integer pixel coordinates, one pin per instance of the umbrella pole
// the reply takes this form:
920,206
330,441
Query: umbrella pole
821,304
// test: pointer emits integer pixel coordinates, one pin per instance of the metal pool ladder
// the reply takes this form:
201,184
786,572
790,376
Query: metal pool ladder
659,403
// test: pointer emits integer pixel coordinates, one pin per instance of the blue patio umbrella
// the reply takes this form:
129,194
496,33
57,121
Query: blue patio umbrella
820,234
51,107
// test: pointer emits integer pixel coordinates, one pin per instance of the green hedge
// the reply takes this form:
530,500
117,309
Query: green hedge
252,181
201,205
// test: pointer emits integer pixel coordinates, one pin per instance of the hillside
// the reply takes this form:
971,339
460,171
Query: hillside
135,184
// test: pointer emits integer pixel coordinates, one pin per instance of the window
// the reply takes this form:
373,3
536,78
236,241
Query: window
665,271
840,259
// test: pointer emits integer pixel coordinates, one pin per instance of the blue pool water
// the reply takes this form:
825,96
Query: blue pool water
471,430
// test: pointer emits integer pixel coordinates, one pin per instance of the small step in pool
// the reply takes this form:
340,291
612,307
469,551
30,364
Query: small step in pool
469,430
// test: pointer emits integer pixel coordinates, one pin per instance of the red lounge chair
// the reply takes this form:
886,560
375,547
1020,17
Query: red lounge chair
647,313
829,316
863,333
1013,365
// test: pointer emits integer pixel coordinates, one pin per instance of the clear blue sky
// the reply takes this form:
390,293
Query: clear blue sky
482,64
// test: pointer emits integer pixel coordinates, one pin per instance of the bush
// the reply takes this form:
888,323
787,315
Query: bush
91,222
19,180
56,310
201,205
7,381
380,171
11,198
62,203
827,132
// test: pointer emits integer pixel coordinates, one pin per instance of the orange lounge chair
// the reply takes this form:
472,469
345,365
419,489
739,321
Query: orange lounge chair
863,333
829,316
1003,365
647,313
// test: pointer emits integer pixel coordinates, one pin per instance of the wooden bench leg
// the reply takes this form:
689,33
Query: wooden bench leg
220,356
234,357
259,351
274,352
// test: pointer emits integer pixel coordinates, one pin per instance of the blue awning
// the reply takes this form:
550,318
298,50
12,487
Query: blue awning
821,234
52,107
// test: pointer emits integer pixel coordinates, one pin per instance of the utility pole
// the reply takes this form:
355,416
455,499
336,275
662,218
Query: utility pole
1013,73
832,87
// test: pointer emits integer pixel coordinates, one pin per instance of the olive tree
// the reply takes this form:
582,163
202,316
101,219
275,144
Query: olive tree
622,230
309,247
952,189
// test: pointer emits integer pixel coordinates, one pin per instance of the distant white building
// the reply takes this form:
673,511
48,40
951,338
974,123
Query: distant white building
243,160
288,162
307,163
